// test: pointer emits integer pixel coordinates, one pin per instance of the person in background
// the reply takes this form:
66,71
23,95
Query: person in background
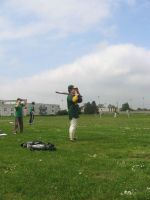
73,99
116,113
20,104
31,113
128,113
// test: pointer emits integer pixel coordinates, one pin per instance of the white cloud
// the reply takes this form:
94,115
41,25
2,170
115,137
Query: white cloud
23,18
115,72
40,16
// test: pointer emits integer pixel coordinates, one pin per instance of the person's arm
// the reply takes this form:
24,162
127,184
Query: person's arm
17,104
77,98
25,101
24,104
72,98
77,92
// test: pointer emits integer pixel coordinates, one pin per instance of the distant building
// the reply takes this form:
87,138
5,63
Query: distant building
44,109
102,108
7,108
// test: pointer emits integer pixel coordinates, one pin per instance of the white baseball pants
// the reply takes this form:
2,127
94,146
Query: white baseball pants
72,128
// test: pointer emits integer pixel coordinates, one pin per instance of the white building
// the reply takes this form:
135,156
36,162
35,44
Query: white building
103,108
7,108
44,109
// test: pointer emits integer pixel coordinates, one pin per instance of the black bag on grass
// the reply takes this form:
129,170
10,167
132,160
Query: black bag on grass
39,145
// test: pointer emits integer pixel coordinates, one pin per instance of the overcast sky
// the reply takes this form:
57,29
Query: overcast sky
101,46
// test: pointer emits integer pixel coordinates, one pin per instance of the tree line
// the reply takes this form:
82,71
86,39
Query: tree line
93,108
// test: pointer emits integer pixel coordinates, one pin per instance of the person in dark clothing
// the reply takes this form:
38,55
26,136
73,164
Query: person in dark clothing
31,113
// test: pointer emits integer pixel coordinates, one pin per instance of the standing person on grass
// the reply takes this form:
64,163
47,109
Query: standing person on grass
20,103
73,99
31,113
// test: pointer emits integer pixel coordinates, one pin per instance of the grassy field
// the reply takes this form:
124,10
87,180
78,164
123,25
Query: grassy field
110,160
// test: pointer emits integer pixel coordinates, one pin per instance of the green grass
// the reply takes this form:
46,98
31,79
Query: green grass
110,161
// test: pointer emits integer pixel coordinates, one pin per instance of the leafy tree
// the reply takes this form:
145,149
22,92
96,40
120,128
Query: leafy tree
125,107
62,112
94,107
87,108
90,108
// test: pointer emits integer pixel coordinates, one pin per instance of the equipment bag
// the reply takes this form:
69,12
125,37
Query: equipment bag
38,145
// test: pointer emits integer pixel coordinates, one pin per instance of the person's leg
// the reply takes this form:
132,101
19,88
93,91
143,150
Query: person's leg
32,117
30,120
115,114
72,128
21,124
16,125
